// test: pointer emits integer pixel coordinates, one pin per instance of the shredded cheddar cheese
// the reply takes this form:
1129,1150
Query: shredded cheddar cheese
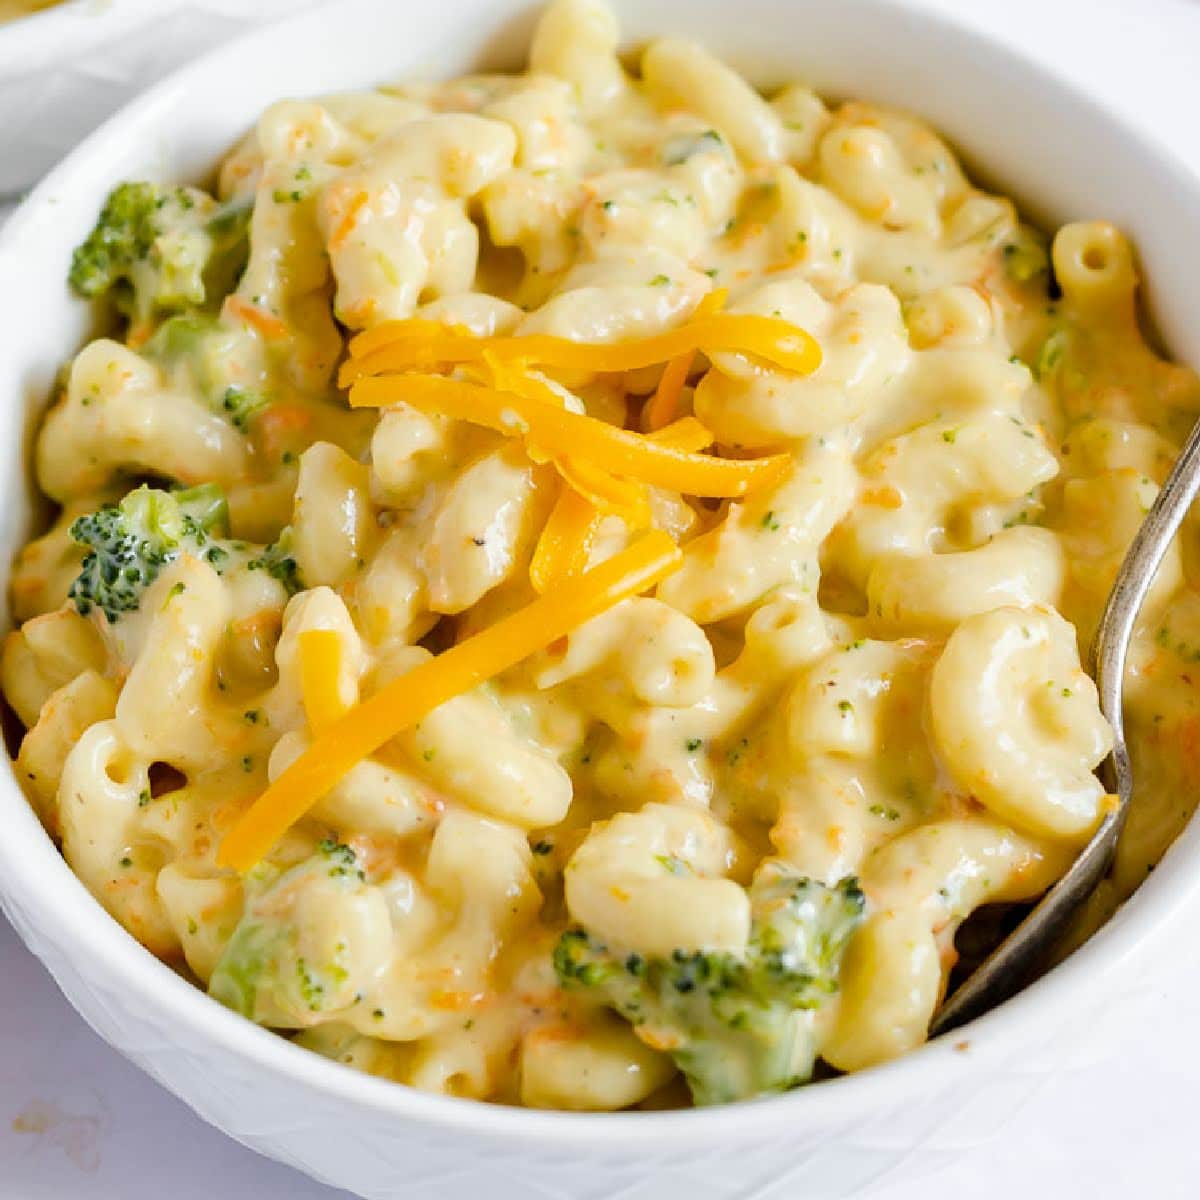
665,402
560,432
685,434
609,494
566,540
402,703
513,377
320,676
394,346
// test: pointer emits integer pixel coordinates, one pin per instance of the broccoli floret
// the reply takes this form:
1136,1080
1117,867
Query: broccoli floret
244,964
241,404
278,560
205,512
211,356
737,1027
158,248
130,543
280,967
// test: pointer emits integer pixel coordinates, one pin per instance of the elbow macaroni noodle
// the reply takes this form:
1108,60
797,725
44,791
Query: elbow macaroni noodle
870,667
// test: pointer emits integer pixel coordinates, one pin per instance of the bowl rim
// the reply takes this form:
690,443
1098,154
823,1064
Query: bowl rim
35,878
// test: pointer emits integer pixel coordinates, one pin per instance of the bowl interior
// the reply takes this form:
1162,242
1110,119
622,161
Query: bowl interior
1058,152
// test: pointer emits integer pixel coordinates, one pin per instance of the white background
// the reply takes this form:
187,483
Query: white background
77,1122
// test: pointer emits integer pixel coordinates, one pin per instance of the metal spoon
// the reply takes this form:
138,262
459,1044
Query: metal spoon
1010,965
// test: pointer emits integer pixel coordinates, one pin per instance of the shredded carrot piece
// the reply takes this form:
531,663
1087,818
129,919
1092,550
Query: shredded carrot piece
277,427
665,402
550,1034
320,676
139,335
404,701
349,221
565,542
559,432
268,324
287,418
391,346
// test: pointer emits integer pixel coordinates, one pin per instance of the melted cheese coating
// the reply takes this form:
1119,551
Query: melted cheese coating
871,668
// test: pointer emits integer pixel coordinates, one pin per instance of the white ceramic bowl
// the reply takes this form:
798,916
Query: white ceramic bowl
1059,151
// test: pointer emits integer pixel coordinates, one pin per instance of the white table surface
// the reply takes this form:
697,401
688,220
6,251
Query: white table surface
78,1122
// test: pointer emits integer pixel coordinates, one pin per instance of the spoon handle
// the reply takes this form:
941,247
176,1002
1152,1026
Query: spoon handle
1009,966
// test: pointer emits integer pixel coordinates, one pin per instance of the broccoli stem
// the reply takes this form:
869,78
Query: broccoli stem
737,1026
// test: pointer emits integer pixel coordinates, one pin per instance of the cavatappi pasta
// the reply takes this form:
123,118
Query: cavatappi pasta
716,493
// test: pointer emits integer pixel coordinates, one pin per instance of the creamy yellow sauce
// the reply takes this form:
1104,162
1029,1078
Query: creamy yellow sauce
870,669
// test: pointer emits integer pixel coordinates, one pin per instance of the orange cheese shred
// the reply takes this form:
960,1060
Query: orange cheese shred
512,377
321,676
560,433
664,404
591,494
403,702
391,346
685,434
609,494
566,541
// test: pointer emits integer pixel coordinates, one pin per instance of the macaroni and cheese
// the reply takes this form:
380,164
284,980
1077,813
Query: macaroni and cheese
570,587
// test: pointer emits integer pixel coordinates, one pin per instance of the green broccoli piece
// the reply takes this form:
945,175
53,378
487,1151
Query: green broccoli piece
1025,256
130,543
210,355
245,963
205,512
737,1027
1050,355
278,560
277,968
158,249
179,338
241,404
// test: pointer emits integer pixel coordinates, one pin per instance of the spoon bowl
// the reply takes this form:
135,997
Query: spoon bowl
1008,968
